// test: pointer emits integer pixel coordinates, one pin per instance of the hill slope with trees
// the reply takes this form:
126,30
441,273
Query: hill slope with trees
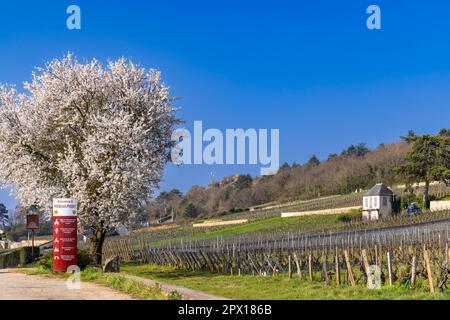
355,168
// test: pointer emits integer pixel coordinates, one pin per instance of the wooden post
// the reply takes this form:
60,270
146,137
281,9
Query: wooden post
366,266
428,266
389,263
32,245
253,263
297,262
270,265
349,269
324,266
376,255
413,271
447,255
289,268
310,267
337,269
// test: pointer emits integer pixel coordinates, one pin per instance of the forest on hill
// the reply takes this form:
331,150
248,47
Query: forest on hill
355,168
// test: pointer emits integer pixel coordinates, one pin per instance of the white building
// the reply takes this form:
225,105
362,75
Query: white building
378,203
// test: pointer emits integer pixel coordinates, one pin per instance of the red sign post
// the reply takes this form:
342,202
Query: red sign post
64,234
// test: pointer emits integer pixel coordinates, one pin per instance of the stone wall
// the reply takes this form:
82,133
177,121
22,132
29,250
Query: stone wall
319,212
439,205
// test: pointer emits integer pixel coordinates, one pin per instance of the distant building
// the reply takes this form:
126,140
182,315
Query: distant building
378,203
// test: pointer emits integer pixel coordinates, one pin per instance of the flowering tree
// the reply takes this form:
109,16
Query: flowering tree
98,134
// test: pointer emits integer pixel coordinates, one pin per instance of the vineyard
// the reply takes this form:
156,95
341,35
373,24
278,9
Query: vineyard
276,229
185,230
401,250
329,202
416,256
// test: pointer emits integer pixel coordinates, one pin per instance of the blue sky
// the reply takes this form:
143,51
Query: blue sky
309,68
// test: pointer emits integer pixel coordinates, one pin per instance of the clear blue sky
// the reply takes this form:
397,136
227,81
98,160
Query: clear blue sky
310,68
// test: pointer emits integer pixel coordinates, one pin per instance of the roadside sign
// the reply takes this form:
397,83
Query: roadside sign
64,234
65,207
32,222
32,225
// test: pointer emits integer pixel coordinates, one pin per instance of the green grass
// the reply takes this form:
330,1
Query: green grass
278,287
293,224
114,281
119,283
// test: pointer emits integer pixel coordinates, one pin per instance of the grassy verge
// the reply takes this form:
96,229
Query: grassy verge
114,281
273,288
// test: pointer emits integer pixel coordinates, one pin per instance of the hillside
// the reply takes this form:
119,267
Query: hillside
355,168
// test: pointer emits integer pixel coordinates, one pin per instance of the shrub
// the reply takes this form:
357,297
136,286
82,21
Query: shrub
46,261
200,217
345,218
440,198
222,213
352,215
16,257
406,200
83,260
174,295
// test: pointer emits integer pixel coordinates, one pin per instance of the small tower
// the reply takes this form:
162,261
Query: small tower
378,203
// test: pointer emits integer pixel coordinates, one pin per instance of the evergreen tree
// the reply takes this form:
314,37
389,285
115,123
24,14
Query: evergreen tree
190,211
314,161
428,160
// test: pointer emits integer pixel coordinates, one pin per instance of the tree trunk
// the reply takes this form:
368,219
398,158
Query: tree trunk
96,245
426,195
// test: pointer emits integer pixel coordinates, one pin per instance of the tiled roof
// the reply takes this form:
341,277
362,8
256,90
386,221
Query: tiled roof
379,190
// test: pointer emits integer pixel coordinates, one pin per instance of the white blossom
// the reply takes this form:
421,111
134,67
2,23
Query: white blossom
98,134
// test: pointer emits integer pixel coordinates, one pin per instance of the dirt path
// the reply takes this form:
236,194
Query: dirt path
186,293
18,286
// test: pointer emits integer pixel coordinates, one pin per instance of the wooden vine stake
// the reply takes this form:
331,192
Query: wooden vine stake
413,271
376,255
337,268
447,255
289,268
297,262
366,266
310,267
389,263
324,266
428,266
349,269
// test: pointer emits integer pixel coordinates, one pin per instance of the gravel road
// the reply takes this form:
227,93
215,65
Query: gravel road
18,286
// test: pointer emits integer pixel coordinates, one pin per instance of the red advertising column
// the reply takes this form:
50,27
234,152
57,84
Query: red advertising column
64,234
